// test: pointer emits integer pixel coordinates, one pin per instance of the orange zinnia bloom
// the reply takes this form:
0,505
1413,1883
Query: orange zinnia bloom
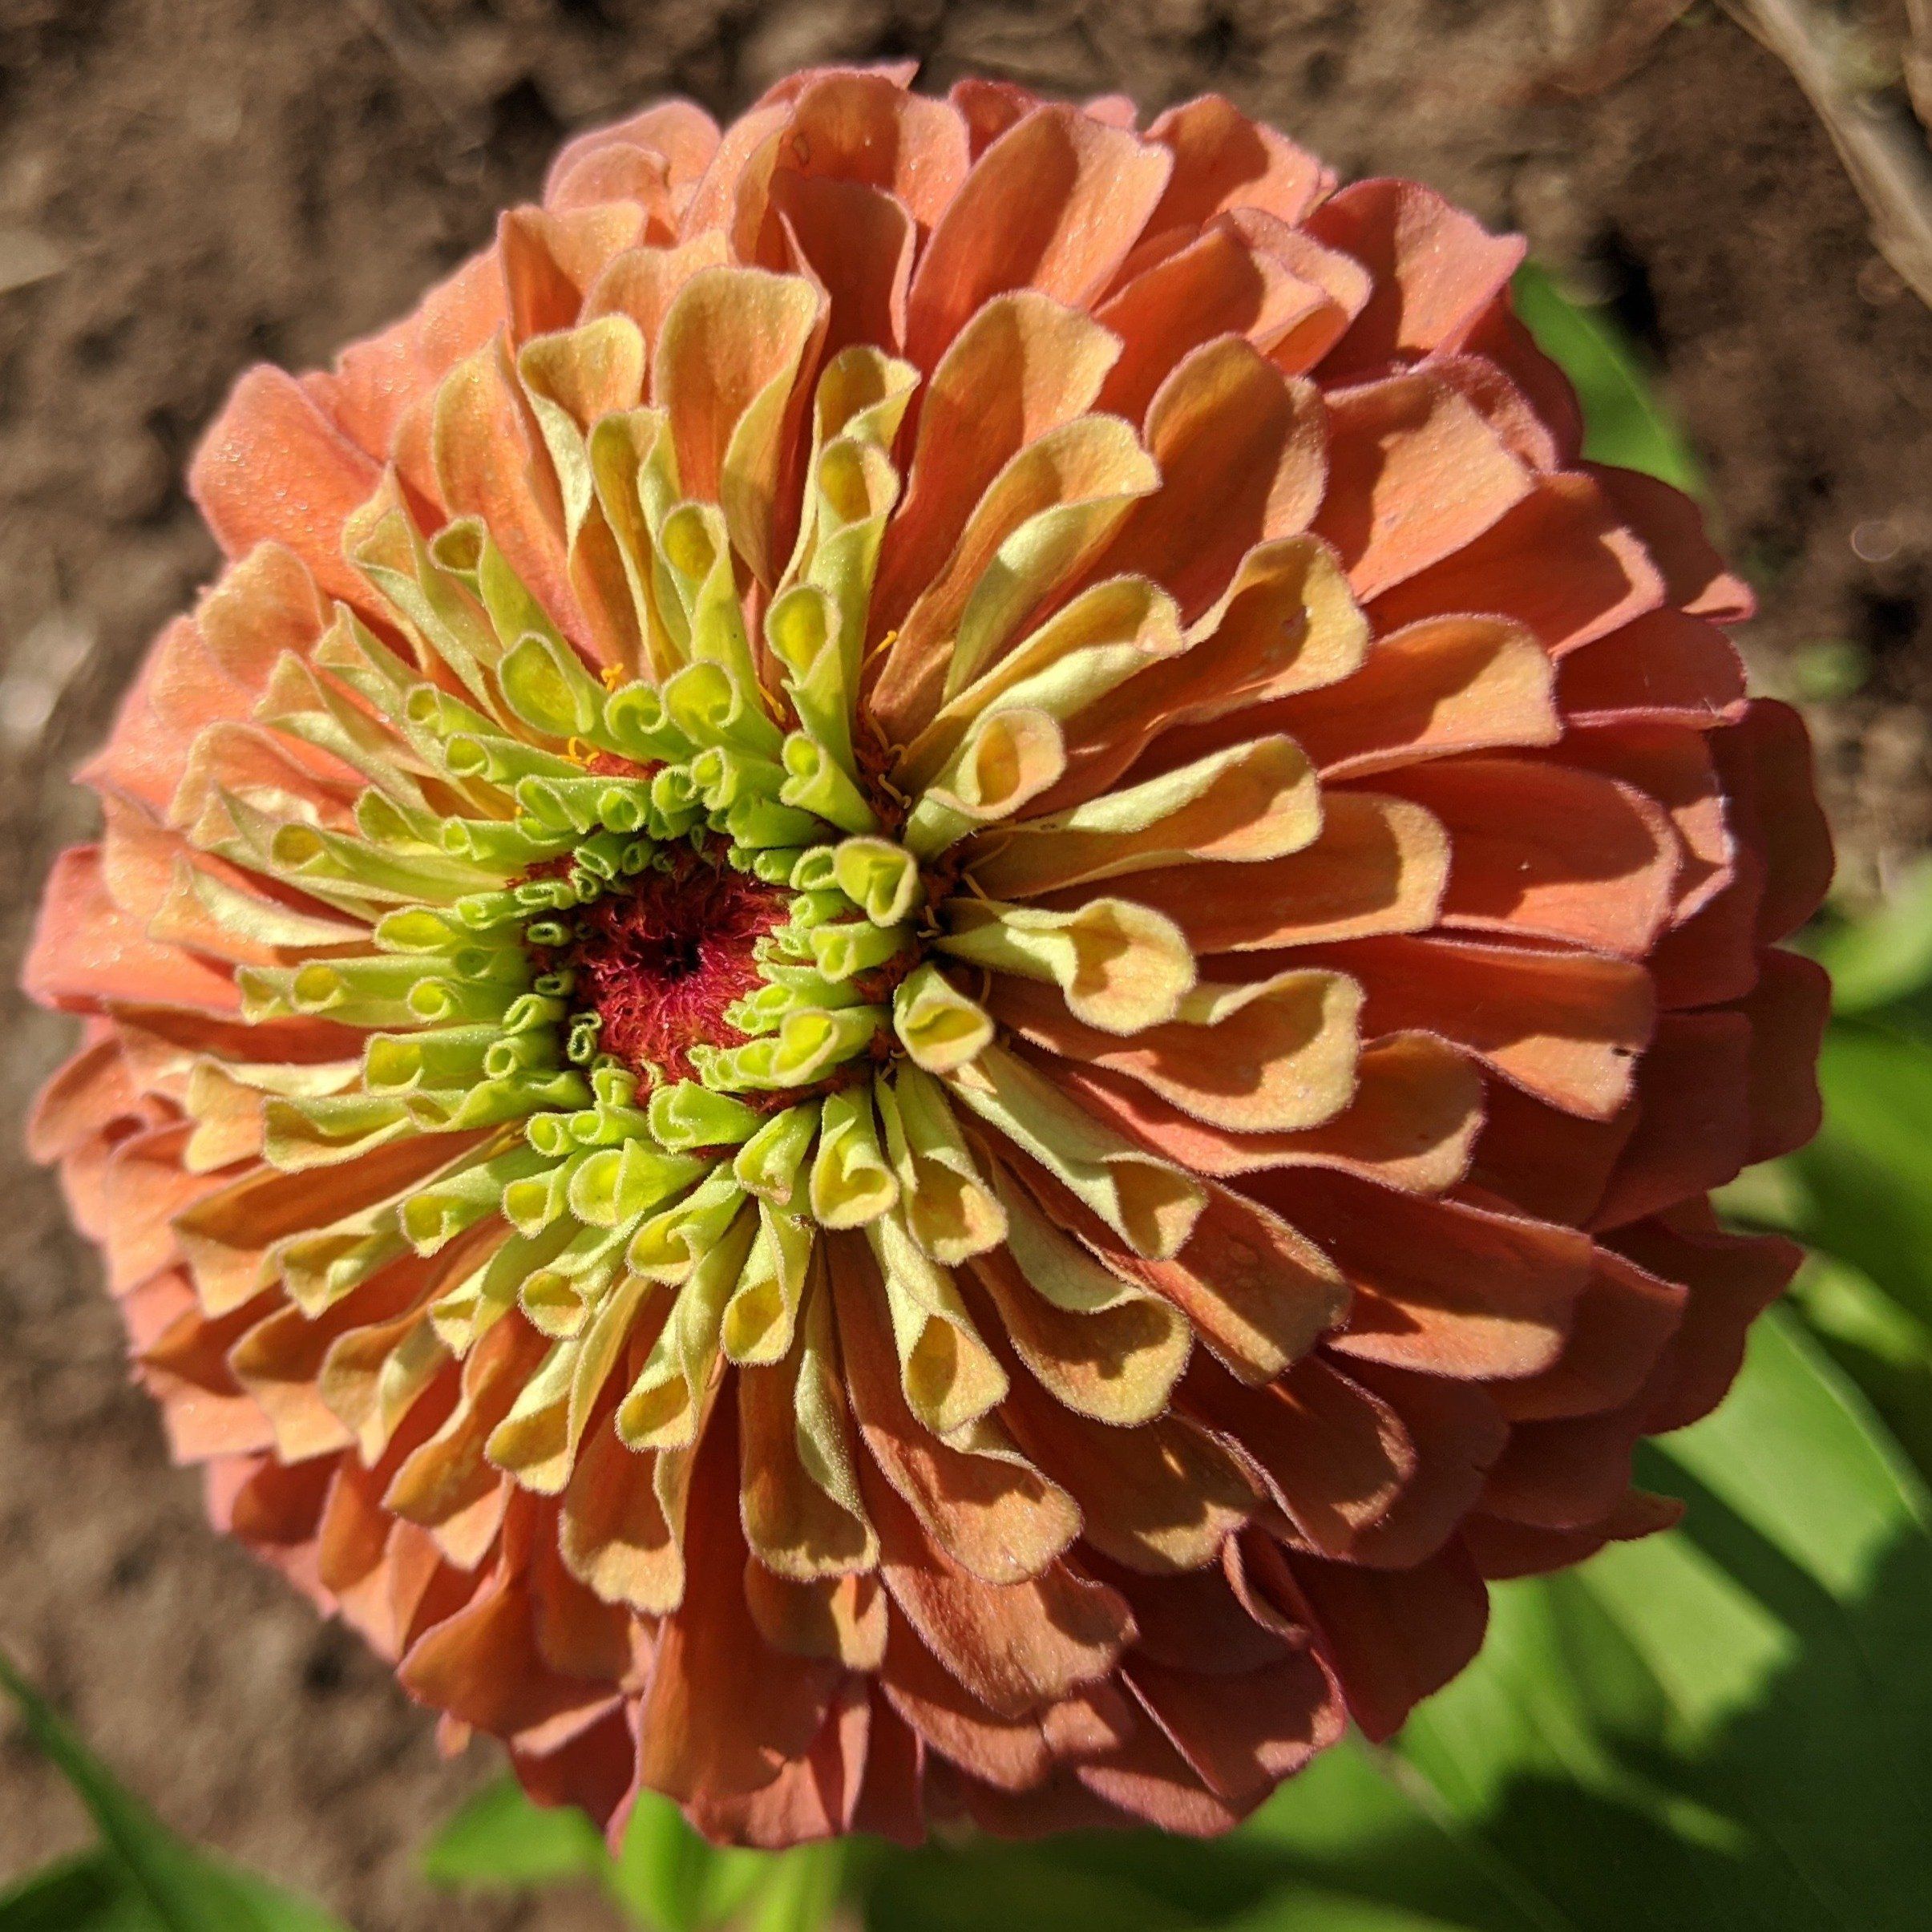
920,993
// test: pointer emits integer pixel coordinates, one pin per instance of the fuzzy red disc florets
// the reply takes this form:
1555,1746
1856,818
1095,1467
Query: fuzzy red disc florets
661,958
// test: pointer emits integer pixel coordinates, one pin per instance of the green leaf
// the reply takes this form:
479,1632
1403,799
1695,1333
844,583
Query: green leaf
1046,1887
1309,1909
1865,1185
1358,1822
666,1877
181,1889
794,1893
1860,1195
501,1838
669,1878
662,1868
1887,1351
1829,671
1355,1841
1887,955
1624,422
1729,1727
737,1879
1725,1728
91,1892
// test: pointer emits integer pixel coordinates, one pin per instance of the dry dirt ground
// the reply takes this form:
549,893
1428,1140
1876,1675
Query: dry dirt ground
187,185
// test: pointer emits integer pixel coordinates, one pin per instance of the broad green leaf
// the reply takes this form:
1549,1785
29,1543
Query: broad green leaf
1078,1881
796,1892
1887,1351
1885,956
1624,422
1729,1727
1355,1841
666,1878
1726,1728
669,1878
741,1881
501,1838
663,1868
1309,1909
1360,1823
183,1889
1861,1195
1864,1186
91,1893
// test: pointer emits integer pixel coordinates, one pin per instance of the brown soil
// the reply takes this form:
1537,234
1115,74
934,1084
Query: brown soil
186,185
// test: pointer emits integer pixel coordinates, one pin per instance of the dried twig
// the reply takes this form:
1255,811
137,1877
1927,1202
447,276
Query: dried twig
1918,57
1883,148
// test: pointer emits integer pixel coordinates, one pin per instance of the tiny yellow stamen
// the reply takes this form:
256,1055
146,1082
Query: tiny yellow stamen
613,675
578,751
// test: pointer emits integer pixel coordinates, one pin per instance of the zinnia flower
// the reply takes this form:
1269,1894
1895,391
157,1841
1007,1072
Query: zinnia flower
918,995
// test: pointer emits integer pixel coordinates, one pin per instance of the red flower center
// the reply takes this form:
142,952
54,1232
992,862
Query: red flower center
660,958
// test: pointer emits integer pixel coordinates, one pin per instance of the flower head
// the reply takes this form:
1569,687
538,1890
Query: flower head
920,993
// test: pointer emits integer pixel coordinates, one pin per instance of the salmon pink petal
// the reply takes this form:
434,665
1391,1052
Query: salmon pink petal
1549,852
1457,1431
1414,474
86,952
1773,747
1560,560
1217,285
1664,669
1671,526
1692,1125
1225,412
271,425
1023,365
1055,203
1392,1636
1438,1286
1243,1735
1222,159
1499,337
1502,1550
1729,1280
1435,272
374,383
1787,1011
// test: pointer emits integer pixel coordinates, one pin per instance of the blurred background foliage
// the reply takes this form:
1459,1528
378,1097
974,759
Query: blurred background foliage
1728,1726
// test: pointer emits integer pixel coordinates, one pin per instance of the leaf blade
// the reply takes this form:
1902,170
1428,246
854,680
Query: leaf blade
1625,424
183,1889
